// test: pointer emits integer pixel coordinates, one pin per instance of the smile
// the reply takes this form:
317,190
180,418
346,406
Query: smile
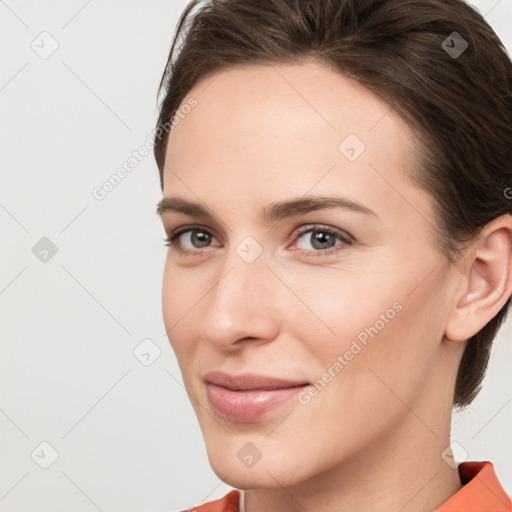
248,397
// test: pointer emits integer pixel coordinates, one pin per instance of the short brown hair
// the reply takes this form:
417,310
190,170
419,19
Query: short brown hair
459,105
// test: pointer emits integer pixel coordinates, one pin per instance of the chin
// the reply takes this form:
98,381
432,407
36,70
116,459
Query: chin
252,478
231,462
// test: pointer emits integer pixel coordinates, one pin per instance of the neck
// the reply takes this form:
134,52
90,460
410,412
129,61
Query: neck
403,471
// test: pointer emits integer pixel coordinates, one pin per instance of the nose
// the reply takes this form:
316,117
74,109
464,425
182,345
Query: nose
243,304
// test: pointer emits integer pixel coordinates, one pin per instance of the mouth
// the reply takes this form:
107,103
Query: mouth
247,397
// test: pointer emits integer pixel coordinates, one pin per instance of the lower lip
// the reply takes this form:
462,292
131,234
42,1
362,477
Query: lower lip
248,405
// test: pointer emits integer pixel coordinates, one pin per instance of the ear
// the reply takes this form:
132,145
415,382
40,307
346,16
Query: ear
486,281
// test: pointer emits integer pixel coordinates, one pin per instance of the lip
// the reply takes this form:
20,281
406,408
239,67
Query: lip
247,397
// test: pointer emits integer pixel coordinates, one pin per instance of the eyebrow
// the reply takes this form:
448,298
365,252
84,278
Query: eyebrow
274,211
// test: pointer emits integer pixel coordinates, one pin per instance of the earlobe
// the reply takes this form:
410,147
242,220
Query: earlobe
487,283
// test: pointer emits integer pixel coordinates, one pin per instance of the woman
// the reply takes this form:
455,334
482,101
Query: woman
339,228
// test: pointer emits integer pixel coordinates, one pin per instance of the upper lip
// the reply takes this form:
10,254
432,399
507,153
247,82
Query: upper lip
247,381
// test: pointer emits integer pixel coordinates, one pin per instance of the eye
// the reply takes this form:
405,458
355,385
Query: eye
198,237
323,240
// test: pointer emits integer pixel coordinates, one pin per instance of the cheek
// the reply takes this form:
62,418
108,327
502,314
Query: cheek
168,295
343,306
362,323
177,301
169,301
181,289
362,382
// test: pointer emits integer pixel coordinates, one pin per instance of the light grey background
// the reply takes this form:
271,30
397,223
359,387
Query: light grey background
125,433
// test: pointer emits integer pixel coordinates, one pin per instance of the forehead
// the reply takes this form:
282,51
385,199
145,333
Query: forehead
281,130
269,98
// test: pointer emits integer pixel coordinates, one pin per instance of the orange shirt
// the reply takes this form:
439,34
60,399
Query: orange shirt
482,492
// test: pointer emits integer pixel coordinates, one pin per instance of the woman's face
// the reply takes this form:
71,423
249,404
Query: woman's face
348,301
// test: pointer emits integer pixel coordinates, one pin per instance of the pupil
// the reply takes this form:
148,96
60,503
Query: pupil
198,235
322,236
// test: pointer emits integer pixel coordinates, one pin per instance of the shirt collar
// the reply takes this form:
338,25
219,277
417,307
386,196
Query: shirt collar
481,490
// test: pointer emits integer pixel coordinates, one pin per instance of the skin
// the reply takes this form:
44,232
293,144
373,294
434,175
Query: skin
372,439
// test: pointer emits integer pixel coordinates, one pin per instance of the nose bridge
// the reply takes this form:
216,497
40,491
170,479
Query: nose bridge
239,304
245,272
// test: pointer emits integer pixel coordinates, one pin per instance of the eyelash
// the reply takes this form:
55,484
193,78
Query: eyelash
172,239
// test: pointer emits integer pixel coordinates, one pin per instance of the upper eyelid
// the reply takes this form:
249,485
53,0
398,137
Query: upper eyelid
184,229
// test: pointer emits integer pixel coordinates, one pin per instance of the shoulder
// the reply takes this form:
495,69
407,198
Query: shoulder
228,503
